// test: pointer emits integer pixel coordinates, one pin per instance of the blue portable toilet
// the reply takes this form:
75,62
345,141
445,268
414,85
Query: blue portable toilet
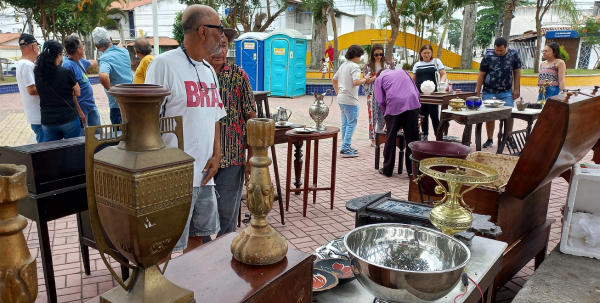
285,63
250,55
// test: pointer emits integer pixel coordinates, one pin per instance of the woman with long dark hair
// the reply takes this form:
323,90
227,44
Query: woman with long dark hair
58,92
552,69
425,70
377,63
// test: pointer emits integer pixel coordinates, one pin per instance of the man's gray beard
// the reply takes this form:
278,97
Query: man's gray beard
216,50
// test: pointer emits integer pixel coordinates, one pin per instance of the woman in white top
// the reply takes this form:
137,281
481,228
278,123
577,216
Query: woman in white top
422,71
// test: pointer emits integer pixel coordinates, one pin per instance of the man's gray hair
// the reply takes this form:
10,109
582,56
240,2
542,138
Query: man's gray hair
142,46
193,21
103,43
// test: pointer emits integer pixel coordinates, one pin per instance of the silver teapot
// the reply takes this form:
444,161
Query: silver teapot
318,111
283,116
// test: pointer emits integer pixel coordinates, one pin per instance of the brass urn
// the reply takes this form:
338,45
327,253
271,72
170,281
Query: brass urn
18,272
259,243
139,193
452,214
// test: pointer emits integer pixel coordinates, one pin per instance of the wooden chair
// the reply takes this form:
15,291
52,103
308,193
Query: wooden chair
400,143
263,111
519,137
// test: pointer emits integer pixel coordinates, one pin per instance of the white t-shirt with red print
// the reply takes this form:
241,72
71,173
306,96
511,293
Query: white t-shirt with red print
198,102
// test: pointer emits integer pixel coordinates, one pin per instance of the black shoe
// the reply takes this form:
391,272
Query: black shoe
381,172
488,143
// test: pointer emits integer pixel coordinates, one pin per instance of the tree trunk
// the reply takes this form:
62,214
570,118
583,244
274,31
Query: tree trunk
317,47
441,42
416,51
405,43
395,24
498,32
468,37
538,46
1,72
335,41
508,16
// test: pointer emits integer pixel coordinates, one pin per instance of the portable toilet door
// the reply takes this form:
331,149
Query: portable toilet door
279,66
249,55
298,59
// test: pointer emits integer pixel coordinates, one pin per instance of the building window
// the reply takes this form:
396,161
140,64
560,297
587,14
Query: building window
299,16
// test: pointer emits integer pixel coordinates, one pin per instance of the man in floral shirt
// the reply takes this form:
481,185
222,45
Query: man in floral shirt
238,100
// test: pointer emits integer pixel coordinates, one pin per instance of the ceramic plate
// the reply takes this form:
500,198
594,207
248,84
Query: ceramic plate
323,280
304,130
339,266
286,124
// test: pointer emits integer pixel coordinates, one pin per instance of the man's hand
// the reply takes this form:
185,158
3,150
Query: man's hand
247,170
212,166
516,94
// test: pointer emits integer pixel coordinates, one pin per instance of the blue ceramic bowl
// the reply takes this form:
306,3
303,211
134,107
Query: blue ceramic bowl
473,104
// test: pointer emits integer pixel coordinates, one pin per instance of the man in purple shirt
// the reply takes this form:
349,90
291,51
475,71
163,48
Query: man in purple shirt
398,98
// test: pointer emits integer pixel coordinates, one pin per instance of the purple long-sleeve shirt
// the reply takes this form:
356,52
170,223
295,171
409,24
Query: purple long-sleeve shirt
396,92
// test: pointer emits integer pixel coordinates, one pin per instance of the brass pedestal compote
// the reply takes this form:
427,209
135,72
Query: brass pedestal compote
259,243
452,214
139,193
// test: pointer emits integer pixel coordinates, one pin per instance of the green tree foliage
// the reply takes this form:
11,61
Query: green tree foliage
454,33
589,31
485,26
178,28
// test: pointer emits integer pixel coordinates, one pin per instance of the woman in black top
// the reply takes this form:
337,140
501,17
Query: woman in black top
58,91
422,71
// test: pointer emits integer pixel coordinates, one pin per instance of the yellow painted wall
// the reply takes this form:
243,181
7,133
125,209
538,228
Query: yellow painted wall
365,37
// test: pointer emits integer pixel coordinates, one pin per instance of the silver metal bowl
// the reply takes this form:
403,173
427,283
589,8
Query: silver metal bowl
406,263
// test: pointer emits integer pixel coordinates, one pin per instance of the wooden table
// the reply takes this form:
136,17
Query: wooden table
485,263
477,117
330,132
529,115
211,272
444,100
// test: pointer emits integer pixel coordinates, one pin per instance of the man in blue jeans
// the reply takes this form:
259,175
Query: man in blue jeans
78,66
115,68
345,83
497,72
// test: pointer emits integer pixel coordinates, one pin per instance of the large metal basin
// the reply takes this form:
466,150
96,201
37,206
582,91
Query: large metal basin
422,150
406,263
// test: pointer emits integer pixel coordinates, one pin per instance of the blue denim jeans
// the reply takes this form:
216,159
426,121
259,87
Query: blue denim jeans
506,96
349,122
115,116
203,219
65,131
39,132
229,182
550,92
92,119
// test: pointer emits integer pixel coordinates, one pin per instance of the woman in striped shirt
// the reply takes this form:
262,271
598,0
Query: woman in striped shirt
553,69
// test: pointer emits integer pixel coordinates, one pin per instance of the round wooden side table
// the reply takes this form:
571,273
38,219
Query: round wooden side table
330,132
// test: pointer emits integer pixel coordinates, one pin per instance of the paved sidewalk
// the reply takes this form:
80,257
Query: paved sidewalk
355,177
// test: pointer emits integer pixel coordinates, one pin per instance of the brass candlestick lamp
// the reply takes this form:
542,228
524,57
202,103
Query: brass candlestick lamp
543,91
139,193
259,243
452,214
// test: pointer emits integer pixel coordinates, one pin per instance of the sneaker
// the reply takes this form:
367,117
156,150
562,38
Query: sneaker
423,137
488,143
354,150
348,154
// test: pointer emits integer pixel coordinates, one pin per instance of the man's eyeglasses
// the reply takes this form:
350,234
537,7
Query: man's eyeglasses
220,27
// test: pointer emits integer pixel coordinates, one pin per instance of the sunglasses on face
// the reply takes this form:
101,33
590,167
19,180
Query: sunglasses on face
220,27
378,55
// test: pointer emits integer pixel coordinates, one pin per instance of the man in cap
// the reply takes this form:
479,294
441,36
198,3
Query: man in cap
238,99
115,68
78,65
143,50
195,96
26,82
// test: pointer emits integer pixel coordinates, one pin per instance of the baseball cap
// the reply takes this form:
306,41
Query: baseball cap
100,35
25,39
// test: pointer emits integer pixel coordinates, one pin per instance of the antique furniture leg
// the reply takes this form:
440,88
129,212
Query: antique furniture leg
46,254
85,251
401,146
466,139
478,127
442,129
541,256
377,151
315,171
277,183
502,137
306,172
596,155
288,175
528,128
333,168
298,164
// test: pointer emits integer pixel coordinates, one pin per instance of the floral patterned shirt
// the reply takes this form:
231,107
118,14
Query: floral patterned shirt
238,99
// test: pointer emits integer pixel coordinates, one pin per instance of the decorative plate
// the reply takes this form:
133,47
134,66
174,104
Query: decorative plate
338,266
304,130
283,124
323,280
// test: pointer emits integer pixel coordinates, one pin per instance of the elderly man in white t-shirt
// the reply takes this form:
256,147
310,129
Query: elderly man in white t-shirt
26,82
195,96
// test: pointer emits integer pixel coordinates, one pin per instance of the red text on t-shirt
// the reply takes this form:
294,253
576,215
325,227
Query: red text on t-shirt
199,96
